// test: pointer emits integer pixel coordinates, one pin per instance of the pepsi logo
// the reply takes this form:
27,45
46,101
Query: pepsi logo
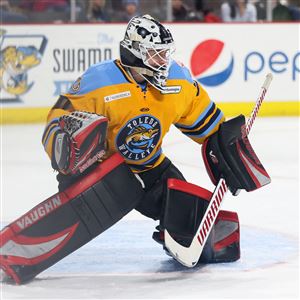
211,62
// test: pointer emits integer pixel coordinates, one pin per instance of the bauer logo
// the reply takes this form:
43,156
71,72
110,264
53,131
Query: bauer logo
212,62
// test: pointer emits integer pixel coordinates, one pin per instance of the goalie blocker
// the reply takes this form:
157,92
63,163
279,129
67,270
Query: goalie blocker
228,154
68,220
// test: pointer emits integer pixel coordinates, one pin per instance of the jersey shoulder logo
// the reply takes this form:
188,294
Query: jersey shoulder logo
139,137
76,85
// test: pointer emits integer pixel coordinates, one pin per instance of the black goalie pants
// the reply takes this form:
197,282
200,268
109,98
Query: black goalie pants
155,181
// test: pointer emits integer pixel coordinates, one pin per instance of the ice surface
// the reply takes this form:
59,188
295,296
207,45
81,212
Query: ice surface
125,263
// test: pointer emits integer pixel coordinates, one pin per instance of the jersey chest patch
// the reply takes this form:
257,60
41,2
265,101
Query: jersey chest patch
139,137
117,96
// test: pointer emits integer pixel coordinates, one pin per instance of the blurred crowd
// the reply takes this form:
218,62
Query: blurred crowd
208,11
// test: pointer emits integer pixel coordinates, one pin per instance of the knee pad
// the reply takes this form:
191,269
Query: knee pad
186,204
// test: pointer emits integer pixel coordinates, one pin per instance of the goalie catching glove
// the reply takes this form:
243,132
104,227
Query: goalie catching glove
80,142
228,154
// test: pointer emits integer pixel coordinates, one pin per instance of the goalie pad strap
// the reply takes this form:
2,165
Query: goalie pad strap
66,221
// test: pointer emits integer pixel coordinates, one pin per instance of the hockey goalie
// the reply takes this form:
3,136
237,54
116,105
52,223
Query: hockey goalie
104,139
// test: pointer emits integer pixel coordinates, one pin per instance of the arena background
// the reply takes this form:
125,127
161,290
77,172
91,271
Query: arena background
40,60
229,60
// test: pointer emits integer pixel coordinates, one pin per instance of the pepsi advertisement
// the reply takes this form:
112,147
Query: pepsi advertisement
231,60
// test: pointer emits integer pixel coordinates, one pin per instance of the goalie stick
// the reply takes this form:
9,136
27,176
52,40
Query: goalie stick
189,256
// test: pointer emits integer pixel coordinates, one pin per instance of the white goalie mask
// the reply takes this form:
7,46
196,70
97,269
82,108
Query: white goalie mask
147,48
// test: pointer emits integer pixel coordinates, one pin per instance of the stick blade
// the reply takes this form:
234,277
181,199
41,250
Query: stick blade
187,256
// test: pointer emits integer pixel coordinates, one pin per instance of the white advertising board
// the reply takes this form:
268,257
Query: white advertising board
231,60
39,62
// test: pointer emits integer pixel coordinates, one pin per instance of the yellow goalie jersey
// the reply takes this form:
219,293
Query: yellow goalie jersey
139,117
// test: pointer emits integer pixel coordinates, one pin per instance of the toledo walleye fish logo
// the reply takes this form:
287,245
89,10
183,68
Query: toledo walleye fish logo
15,63
19,54
139,137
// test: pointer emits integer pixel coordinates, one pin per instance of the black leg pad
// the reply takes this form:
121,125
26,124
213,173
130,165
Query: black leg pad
66,221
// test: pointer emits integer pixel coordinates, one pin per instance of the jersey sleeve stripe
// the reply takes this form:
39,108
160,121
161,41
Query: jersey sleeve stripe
52,131
204,131
200,119
209,117
53,123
